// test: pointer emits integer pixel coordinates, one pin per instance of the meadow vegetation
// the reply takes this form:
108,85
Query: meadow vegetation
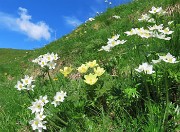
118,72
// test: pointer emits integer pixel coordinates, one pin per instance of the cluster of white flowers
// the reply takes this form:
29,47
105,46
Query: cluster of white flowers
25,83
47,60
59,97
147,18
146,68
37,107
155,31
112,42
167,58
158,11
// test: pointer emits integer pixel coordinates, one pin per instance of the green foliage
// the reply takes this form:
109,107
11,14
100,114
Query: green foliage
121,100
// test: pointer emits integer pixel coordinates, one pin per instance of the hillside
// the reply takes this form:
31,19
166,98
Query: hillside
122,99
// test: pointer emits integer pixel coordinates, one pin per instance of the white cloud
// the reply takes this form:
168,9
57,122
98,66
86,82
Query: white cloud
72,21
23,24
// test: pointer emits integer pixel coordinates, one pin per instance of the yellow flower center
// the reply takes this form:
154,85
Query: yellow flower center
26,81
36,122
113,43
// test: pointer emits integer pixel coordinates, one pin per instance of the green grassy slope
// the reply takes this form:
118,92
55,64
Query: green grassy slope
81,46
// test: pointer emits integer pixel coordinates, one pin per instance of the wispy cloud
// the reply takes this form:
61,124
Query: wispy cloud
23,24
72,21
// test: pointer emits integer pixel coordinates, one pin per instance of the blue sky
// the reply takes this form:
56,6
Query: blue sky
30,24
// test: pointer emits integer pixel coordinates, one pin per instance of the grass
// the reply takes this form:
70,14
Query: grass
108,105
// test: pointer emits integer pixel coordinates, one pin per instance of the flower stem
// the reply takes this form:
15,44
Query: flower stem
166,86
63,122
53,124
146,86
29,95
50,79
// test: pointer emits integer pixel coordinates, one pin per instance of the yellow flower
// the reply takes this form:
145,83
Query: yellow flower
90,79
99,71
66,71
83,68
92,64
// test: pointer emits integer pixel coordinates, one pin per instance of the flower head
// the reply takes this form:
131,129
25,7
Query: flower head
168,58
37,106
19,86
148,69
27,80
38,124
144,17
47,60
59,97
166,31
92,64
90,79
25,83
83,68
99,71
66,71
132,32
116,17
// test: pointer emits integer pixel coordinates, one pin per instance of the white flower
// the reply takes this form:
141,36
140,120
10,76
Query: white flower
168,58
43,99
155,27
132,32
144,33
161,36
122,41
148,69
51,65
116,17
144,17
19,86
38,124
105,48
40,116
37,106
27,80
55,56
30,87
42,62
91,19
166,31
115,37
113,43
151,20
48,57
156,61
59,97
158,10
